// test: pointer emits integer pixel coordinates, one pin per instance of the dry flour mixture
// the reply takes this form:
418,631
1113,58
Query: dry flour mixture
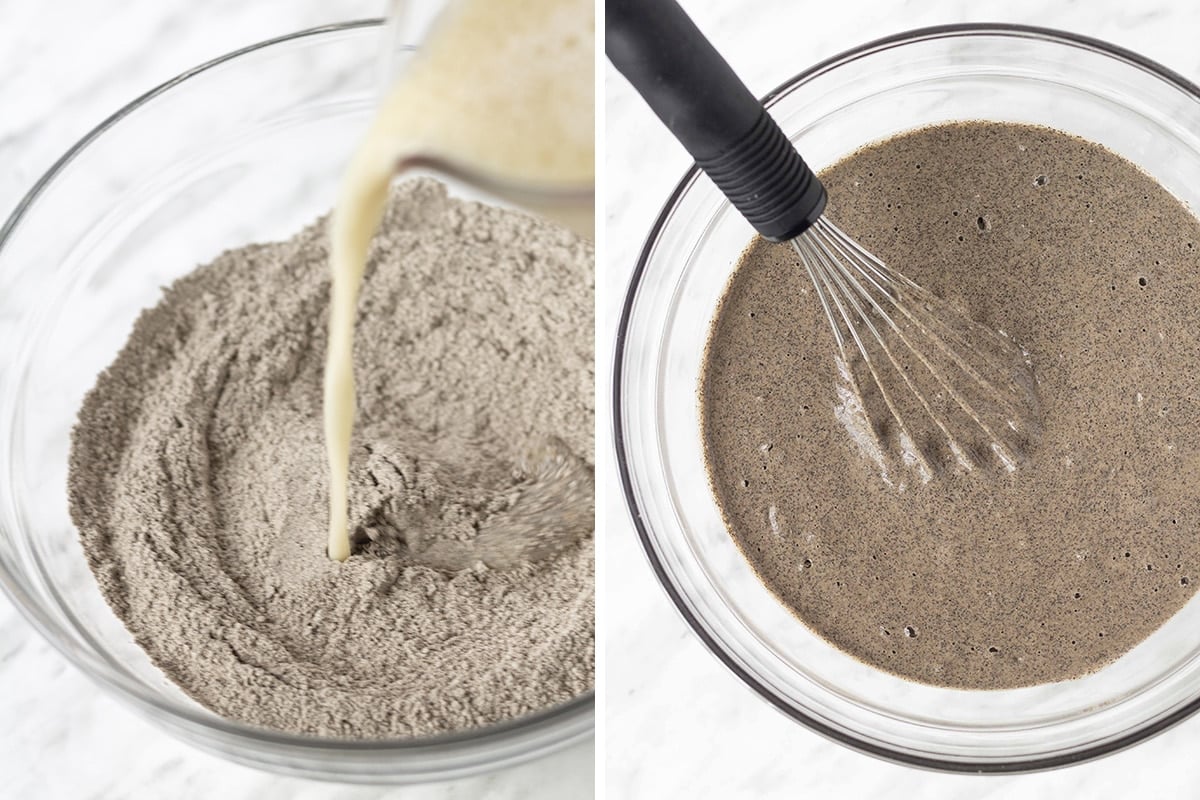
198,478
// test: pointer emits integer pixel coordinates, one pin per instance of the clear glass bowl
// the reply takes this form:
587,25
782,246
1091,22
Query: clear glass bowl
1134,107
245,148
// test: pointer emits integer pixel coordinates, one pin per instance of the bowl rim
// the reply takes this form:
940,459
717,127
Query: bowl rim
657,564
567,722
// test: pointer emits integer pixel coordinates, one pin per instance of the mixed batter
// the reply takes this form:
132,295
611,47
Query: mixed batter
978,581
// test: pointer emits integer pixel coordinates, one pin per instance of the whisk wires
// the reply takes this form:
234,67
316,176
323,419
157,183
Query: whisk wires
926,388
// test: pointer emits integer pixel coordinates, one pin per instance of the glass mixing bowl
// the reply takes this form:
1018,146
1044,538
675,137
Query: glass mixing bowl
1134,107
245,148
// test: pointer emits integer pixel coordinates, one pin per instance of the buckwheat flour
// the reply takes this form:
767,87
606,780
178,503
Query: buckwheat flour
198,480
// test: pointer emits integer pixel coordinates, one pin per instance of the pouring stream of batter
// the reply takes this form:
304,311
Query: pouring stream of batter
500,95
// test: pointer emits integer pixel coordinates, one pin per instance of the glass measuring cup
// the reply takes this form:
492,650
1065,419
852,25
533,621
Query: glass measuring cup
571,204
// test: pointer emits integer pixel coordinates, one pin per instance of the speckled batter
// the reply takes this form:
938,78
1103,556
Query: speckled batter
979,581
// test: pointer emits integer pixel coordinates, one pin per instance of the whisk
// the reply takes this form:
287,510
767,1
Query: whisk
924,389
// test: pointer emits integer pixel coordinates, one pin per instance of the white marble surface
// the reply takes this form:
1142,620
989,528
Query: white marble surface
65,66
677,723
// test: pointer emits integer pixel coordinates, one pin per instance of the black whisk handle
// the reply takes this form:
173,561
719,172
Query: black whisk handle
696,94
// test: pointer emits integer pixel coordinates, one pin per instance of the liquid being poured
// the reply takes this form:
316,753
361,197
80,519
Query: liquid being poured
500,95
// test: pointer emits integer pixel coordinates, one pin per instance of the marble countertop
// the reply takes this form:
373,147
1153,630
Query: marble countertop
677,722
65,66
